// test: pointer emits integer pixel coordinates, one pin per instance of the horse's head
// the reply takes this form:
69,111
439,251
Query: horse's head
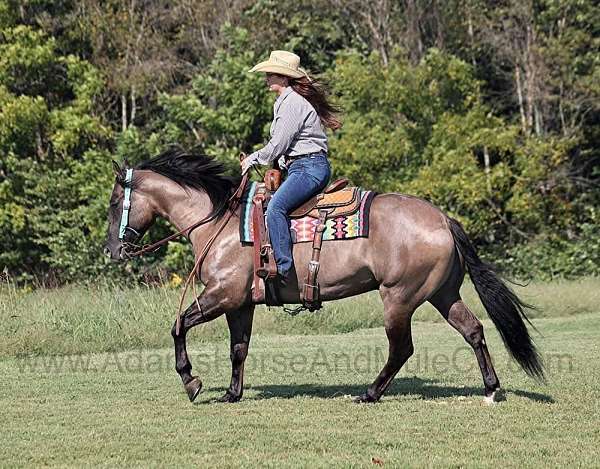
130,214
177,185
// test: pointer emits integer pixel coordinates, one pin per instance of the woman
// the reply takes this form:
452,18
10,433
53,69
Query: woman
300,115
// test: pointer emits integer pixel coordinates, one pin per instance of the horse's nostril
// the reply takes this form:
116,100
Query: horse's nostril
106,252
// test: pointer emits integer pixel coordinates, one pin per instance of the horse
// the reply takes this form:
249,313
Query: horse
414,253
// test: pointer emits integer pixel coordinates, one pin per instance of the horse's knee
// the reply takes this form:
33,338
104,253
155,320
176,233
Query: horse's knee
409,350
239,352
406,352
400,353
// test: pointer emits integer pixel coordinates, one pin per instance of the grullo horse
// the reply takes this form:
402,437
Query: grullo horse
414,253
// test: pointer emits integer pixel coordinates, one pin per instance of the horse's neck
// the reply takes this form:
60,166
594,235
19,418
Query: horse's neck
179,207
184,213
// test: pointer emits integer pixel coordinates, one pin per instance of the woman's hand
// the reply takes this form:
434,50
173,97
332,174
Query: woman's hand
247,162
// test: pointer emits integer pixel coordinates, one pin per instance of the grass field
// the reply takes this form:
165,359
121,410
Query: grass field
108,407
100,318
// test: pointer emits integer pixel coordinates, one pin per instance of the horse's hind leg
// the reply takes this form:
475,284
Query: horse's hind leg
240,330
458,315
397,318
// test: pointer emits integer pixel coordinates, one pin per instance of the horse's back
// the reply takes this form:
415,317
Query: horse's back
413,220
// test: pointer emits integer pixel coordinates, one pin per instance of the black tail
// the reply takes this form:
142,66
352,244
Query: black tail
503,306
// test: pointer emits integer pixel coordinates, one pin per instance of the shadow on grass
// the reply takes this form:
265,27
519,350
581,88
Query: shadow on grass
404,386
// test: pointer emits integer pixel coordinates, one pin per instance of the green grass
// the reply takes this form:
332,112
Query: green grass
129,409
79,319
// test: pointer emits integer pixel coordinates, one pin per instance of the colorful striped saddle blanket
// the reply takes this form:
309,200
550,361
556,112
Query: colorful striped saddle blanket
355,225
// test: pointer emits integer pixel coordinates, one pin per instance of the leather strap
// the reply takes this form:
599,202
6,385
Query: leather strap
257,219
311,297
234,199
233,203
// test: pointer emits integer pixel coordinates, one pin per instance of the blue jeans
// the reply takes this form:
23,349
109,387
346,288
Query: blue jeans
306,177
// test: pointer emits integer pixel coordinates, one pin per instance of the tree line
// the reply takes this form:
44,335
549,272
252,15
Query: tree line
490,110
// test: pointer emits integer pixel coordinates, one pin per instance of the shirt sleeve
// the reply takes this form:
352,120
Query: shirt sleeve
287,124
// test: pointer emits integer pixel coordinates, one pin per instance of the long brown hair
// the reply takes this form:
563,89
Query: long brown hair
317,94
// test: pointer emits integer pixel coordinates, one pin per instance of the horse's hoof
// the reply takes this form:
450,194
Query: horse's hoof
364,399
193,388
230,398
494,397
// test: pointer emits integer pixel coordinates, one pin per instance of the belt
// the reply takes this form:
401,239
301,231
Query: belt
289,159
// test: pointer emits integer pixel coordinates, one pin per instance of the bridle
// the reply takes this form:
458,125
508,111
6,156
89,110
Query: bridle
231,205
124,225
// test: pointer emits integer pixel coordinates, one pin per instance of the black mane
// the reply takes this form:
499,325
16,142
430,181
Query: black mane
194,170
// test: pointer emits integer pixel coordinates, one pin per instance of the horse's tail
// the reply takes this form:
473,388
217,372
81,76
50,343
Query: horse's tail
503,306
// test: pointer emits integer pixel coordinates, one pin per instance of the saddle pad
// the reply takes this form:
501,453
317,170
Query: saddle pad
355,225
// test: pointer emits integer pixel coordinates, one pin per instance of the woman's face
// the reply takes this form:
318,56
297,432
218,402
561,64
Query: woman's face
276,83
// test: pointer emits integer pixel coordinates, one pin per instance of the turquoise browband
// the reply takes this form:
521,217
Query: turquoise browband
126,203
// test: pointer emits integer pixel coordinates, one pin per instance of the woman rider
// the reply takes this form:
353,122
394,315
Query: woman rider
300,115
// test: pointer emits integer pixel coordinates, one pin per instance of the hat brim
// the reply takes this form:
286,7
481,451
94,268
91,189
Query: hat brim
270,67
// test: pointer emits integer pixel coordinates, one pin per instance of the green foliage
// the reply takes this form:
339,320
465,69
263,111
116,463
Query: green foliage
314,29
498,184
226,108
56,184
27,61
551,256
390,113
454,177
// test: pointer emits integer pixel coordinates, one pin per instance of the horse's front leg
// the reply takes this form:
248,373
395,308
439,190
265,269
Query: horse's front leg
240,330
209,305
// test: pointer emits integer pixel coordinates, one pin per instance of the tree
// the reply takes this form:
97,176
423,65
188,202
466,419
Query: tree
390,113
47,135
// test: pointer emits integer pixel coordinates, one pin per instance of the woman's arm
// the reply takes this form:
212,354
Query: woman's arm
288,123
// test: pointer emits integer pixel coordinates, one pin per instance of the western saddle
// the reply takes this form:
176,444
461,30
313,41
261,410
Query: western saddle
336,200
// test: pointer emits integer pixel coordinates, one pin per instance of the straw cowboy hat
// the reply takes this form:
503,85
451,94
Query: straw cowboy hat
282,63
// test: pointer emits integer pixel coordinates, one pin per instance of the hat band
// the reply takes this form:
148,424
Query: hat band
283,62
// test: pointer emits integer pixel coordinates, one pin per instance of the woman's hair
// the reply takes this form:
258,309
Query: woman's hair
317,94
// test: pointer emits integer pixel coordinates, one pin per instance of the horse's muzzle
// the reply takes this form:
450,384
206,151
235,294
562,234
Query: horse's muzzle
116,255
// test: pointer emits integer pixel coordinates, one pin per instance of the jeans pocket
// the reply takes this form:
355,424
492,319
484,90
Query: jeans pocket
319,173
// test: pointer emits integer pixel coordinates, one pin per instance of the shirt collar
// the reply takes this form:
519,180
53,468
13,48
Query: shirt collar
286,92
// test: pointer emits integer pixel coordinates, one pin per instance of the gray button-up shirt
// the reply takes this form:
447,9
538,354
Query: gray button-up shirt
296,129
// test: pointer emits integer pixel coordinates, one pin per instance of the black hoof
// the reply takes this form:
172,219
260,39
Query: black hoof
365,399
495,396
193,388
229,398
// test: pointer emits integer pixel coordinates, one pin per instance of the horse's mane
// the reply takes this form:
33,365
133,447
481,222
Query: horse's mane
194,170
